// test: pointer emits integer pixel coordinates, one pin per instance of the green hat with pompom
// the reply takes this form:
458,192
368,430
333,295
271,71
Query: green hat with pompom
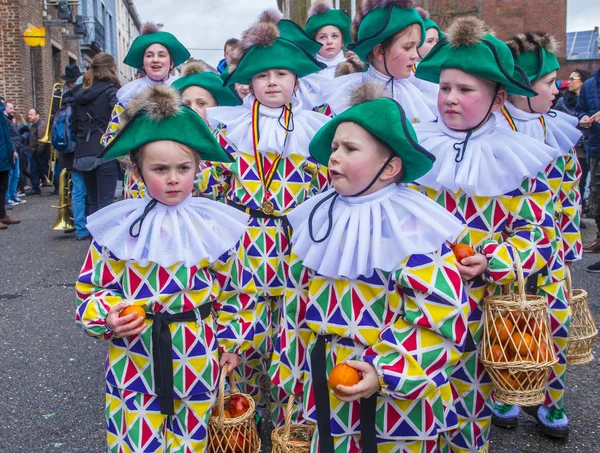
470,46
196,74
157,114
535,53
150,34
372,110
321,15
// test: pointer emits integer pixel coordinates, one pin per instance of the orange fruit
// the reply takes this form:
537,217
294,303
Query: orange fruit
523,344
497,353
462,251
543,353
501,329
343,374
529,326
133,309
509,380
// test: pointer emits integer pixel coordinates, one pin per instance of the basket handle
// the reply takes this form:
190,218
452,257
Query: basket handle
221,397
569,284
520,279
288,420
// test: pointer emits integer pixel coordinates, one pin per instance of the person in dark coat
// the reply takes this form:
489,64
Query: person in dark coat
39,152
7,162
91,113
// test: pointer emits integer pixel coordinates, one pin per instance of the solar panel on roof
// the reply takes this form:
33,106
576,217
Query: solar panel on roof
582,45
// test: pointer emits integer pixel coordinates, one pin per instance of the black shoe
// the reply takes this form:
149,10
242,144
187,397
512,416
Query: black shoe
583,226
594,268
31,192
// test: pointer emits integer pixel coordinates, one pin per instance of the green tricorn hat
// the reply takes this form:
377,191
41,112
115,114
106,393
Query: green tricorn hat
264,49
157,114
535,53
429,22
321,15
196,74
470,47
375,112
377,20
151,35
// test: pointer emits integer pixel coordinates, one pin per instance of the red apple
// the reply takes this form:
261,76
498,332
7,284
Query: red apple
238,405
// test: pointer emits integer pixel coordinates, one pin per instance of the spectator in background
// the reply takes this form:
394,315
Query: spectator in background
24,174
7,153
39,153
227,53
567,104
92,109
13,179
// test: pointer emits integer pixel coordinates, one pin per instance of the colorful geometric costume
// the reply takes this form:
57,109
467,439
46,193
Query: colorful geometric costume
408,321
501,220
563,176
272,165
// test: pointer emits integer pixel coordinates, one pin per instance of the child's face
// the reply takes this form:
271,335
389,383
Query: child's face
242,90
169,170
464,99
274,88
546,91
199,99
332,40
157,62
400,57
356,159
431,39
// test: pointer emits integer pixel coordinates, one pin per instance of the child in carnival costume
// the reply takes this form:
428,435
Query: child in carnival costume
372,283
331,28
491,179
386,34
535,53
157,53
177,258
268,136
433,34
201,89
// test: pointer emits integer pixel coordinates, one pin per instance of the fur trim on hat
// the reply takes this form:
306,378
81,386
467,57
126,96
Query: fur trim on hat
148,28
368,91
262,34
272,16
466,31
318,8
158,102
350,66
193,67
423,13
530,42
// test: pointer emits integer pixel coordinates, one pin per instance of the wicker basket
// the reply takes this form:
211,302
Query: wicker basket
292,437
517,348
232,435
583,330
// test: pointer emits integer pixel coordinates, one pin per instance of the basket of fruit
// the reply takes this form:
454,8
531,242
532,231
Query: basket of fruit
583,330
231,428
517,349
292,437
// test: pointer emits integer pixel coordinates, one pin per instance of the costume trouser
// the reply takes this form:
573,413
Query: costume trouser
134,423
352,444
559,315
100,184
594,198
471,391
585,169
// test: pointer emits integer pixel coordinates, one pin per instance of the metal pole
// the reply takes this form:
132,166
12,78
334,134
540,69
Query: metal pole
353,8
337,4
33,93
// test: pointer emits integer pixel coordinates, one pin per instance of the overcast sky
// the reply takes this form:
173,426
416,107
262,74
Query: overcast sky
207,24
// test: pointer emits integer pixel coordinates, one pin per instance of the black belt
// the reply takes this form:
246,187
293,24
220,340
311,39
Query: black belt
287,227
368,406
531,284
162,353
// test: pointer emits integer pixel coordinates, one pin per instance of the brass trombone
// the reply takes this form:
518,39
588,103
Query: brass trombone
55,104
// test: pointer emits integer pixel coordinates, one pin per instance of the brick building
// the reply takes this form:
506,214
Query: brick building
27,74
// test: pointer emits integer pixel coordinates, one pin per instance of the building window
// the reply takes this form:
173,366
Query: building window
56,64
72,61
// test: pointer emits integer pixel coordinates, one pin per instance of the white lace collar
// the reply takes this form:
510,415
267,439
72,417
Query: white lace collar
195,230
496,160
375,231
130,90
561,130
337,94
273,137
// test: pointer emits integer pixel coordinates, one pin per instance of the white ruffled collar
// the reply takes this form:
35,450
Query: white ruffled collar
130,90
309,91
496,160
334,61
337,94
375,231
561,130
273,137
195,230
430,91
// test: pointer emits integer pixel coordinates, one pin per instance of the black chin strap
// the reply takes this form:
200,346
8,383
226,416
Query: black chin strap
334,196
391,81
461,147
551,113
138,222
282,124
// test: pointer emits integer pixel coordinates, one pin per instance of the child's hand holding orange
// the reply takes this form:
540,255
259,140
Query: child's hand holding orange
366,387
125,326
